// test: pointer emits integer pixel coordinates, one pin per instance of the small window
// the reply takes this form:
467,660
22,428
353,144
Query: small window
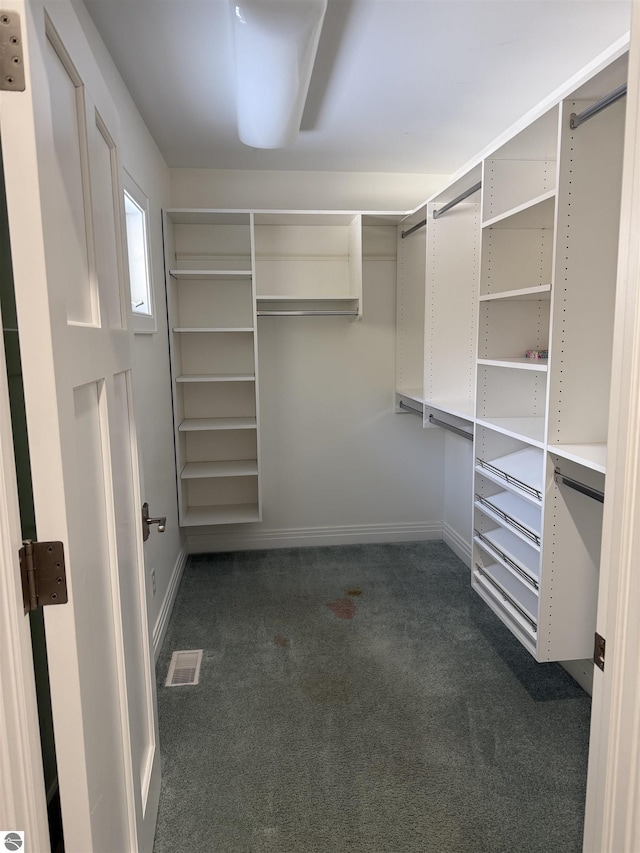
135,208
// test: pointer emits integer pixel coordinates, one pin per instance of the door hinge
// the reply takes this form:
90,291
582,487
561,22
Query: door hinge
598,651
11,58
44,579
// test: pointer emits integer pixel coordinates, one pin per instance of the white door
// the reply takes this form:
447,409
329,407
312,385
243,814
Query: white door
60,148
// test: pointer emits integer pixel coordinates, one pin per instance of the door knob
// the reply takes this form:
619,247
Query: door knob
161,521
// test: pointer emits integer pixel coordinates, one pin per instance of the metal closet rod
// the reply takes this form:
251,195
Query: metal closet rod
576,119
589,491
474,189
413,411
438,213
415,228
451,427
307,313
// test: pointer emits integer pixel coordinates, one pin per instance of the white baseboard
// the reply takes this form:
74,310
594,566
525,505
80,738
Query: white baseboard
581,671
457,543
237,540
162,622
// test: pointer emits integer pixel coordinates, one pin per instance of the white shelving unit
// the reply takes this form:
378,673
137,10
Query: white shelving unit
410,299
547,283
437,329
226,268
529,262
212,316
309,264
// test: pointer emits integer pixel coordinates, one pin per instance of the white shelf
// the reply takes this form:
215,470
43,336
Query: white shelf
539,364
514,588
205,275
217,377
501,543
530,430
260,298
415,394
522,467
230,514
184,329
524,516
593,456
507,613
459,408
233,468
525,294
535,213
213,424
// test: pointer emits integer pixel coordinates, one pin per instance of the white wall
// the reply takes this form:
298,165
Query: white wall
152,392
301,190
458,495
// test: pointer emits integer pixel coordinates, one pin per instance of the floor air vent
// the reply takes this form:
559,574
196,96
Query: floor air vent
184,669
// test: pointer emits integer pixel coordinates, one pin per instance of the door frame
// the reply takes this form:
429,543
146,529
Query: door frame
23,805
612,815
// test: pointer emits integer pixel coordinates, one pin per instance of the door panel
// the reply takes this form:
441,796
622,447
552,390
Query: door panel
126,499
70,185
106,193
90,564
66,214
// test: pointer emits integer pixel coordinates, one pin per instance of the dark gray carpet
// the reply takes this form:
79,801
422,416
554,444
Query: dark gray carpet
417,724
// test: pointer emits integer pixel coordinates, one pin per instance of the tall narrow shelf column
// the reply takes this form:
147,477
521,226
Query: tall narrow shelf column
452,274
212,316
410,301
549,256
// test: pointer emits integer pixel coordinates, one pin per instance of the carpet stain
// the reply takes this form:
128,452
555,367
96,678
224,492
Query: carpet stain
281,641
343,608
354,590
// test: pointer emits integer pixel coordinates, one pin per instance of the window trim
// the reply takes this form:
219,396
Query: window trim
140,323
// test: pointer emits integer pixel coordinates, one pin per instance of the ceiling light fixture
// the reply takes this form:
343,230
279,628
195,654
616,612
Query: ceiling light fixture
275,47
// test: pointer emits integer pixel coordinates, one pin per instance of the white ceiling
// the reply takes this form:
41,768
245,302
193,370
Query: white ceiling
398,85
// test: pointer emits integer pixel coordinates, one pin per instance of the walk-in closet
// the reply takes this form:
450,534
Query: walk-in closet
343,421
